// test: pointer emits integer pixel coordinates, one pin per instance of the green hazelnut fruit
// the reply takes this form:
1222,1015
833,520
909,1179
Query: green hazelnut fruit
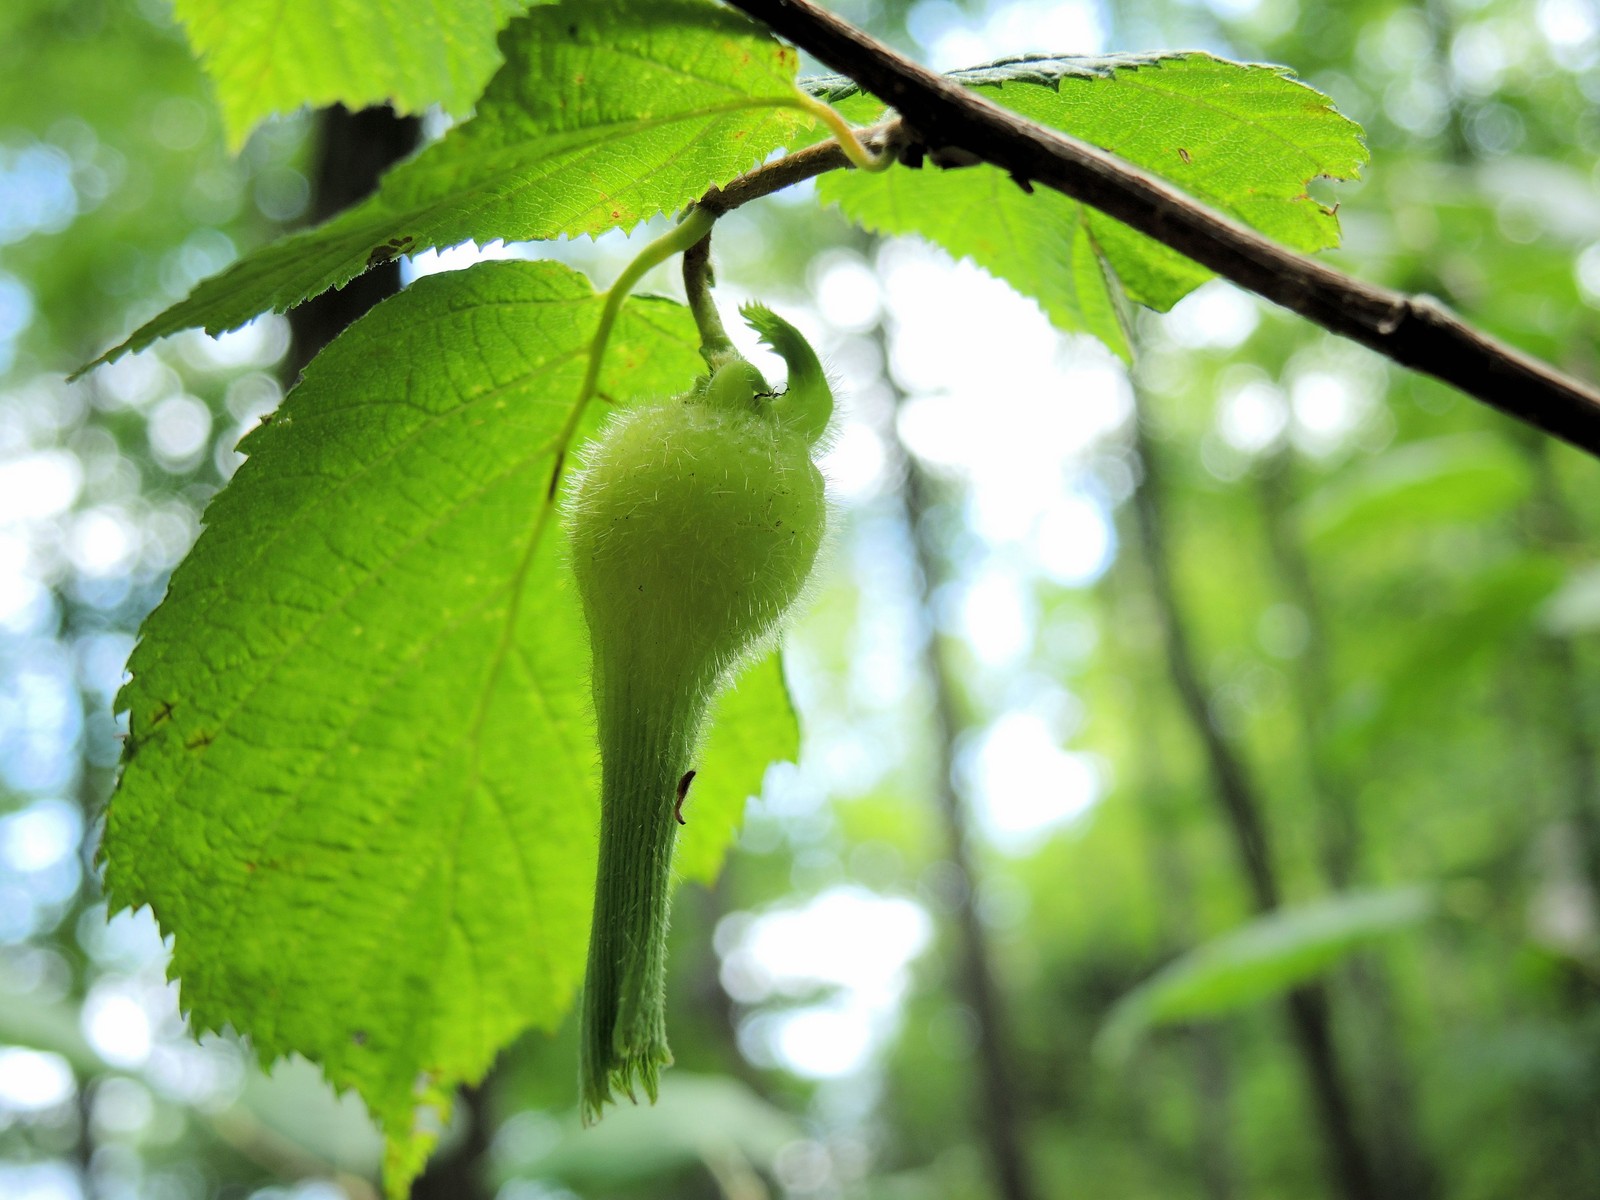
693,527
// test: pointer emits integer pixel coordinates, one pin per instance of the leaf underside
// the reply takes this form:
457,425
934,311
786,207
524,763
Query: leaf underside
606,113
360,784
1046,70
753,725
1244,139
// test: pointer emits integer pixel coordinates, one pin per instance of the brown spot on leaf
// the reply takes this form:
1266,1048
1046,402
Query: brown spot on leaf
1184,154
393,248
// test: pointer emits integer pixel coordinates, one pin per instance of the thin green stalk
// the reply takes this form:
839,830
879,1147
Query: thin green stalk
716,347
694,226
849,140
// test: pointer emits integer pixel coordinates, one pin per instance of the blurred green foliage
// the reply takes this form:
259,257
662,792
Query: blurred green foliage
1384,585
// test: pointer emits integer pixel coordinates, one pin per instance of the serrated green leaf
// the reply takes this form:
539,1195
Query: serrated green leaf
1261,959
752,726
1245,139
359,788
606,113
1043,245
272,56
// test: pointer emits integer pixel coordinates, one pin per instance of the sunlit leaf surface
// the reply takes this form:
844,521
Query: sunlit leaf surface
272,56
360,780
606,113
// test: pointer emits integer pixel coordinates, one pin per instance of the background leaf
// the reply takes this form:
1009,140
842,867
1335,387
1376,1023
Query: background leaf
750,727
1436,658
606,113
1263,958
294,1103
1463,478
1244,139
710,1121
359,787
272,56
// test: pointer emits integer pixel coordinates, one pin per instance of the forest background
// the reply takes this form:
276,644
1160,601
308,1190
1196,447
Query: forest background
1081,629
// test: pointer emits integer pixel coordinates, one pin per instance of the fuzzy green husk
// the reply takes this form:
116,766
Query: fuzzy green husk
624,995
693,526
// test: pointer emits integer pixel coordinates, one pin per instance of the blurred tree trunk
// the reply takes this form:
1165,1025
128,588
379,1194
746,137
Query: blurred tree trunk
1407,1170
1554,526
1339,835
999,1114
456,1172
1178,897
352,151
1173,880
1310,1022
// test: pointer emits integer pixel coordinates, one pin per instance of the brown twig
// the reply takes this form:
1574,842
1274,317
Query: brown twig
1000,1102
1414,331
889,137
